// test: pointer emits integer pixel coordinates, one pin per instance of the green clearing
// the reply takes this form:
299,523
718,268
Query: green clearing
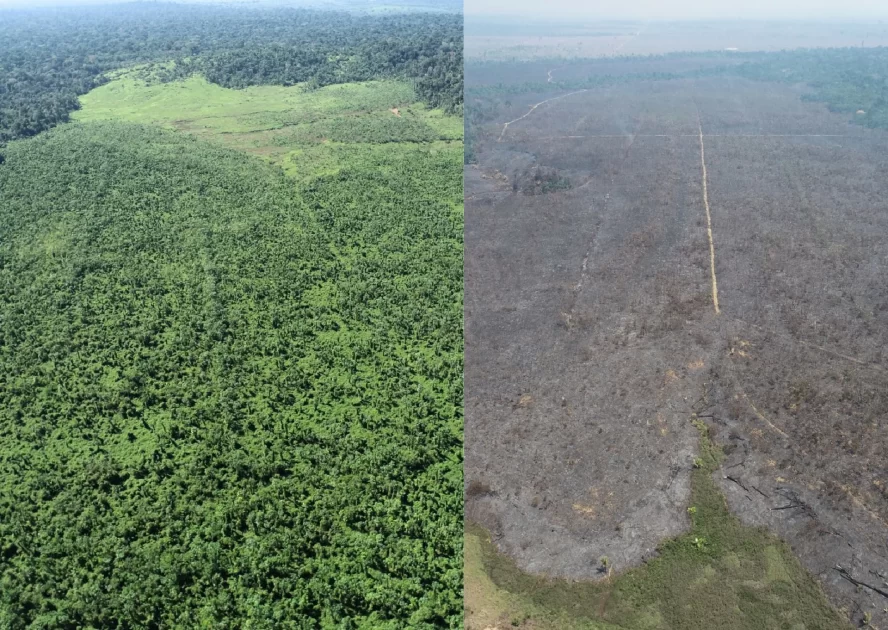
222,110
308,132
720,574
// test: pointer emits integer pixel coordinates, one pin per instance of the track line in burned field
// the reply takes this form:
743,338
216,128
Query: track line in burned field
708,218
532,108
584,267
813,346
707,135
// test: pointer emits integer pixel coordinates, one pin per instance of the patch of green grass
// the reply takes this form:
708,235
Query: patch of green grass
288,126
374,128
446,126
314,160
203,104
720,574
488,605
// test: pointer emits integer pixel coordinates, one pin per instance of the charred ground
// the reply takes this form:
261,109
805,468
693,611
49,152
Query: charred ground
592,339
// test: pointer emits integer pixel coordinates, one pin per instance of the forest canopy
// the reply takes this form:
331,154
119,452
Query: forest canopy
226,398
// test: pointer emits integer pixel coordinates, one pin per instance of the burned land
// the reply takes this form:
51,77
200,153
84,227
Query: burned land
719,255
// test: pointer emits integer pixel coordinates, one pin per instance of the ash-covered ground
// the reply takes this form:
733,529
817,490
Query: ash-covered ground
592,336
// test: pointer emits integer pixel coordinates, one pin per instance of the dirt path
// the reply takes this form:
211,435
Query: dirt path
629,39
532,108
620,47
814,346
708,218
549,80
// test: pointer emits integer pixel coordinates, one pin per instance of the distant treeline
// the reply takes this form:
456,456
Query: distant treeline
488,103
49,58
847,80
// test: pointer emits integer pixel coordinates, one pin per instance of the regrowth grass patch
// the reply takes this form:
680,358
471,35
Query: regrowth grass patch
279,124
720,574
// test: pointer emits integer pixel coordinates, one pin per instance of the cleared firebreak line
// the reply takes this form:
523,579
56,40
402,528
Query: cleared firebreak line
708,135
708,218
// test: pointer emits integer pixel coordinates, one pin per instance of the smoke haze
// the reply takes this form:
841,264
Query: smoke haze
684,9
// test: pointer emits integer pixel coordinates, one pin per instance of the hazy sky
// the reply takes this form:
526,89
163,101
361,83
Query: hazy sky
684,9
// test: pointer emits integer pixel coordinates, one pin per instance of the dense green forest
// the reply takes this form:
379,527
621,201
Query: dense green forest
49,58
230,319
226,401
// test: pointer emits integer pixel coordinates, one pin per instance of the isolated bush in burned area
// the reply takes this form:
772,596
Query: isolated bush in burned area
799,392
540,180
476,488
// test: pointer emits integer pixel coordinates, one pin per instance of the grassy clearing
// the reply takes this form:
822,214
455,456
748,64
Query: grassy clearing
330,158
721,574
195,100
309,133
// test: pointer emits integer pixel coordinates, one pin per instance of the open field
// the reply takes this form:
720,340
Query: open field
592,334
307,132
